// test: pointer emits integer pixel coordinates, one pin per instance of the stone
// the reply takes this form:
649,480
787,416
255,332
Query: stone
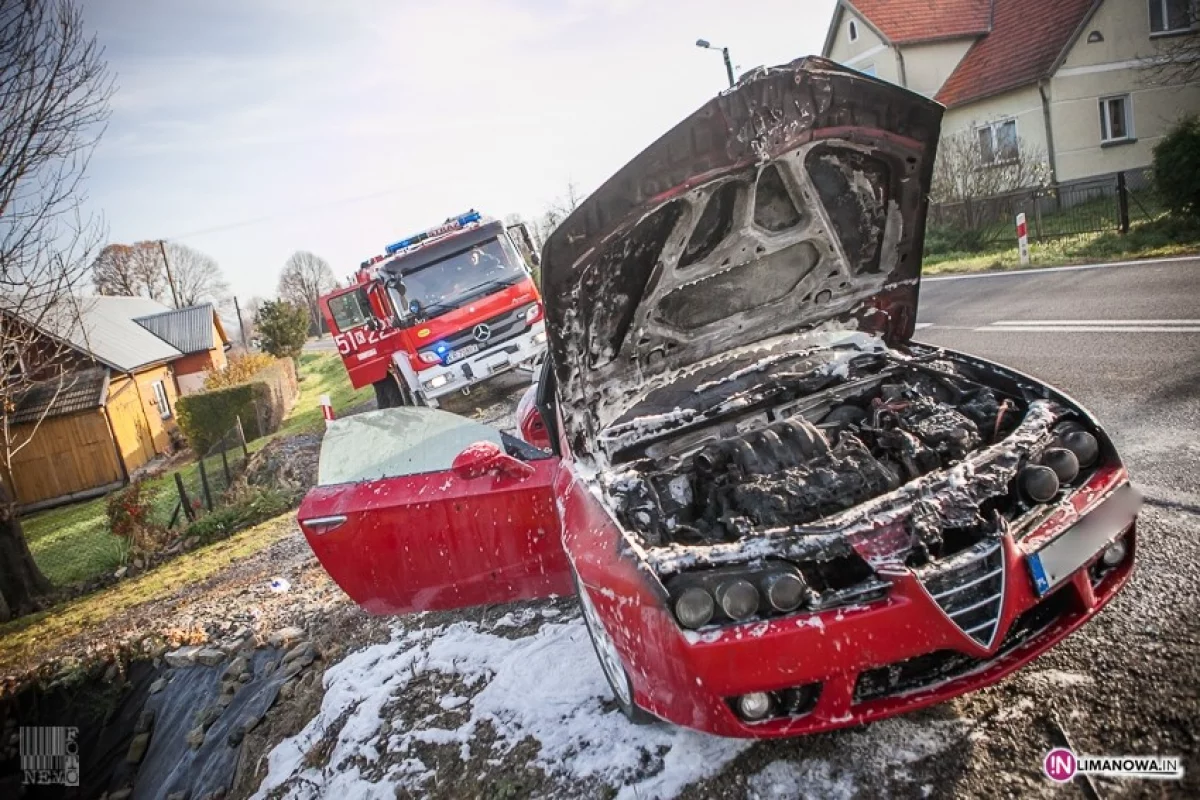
245,677
251,722
177,796
301,650
145,721
236,667
137,748
195,737
285,636
183,656
296,667
121,794
224,700
207,716
287,690
229,687
121,573
210,656
139,563
158,685
236,735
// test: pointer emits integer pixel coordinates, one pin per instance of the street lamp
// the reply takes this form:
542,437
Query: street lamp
706,45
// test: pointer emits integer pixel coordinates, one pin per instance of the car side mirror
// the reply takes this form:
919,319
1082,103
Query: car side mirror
484,458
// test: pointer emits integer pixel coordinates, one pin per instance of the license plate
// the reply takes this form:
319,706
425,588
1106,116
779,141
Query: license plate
461,353
1058,560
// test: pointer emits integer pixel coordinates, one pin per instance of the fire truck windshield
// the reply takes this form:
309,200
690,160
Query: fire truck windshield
453,281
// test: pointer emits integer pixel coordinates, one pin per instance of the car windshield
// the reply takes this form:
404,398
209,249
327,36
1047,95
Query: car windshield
453,281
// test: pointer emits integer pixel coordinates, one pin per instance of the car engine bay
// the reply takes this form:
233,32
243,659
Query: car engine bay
794,463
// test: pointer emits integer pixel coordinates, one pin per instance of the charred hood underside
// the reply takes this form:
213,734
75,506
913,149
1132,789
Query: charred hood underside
794,199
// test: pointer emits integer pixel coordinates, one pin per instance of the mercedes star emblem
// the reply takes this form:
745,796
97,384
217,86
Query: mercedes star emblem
482,332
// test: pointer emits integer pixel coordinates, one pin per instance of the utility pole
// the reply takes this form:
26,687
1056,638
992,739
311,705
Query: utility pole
241,325
704,44
162,248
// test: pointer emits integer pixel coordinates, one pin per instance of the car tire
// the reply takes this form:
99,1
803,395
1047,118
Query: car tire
610,661
388,393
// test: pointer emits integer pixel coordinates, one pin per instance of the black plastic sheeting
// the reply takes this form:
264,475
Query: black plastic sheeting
170,764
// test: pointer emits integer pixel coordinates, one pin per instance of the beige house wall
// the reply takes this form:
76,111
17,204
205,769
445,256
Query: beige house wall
1023,105
927,66
869,50
1094,70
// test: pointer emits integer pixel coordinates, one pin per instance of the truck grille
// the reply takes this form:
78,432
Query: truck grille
503,327
970,588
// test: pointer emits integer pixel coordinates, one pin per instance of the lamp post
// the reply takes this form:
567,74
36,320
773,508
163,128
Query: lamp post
704,44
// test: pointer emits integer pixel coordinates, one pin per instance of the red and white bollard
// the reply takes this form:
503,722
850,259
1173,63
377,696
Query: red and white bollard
1022,238
327,409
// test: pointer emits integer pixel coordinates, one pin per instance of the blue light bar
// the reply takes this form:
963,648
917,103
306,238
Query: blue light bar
451,224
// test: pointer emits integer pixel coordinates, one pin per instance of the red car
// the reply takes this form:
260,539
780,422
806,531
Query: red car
780,514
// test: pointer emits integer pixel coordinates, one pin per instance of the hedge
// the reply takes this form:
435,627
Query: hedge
261,403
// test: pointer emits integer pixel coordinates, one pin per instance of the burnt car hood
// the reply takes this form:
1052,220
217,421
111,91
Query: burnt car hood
794,201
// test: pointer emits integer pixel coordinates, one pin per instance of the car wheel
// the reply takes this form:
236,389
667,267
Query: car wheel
610,661
388,393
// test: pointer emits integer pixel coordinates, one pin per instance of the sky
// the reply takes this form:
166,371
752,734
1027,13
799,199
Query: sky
249,129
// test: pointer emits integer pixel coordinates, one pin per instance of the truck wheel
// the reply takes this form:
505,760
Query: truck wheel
388,393
610,661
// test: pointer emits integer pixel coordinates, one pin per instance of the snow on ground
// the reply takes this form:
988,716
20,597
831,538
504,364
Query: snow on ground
489,693
547,686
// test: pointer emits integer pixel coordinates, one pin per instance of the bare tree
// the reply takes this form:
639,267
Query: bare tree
1176,59
304,279
138,270
969,170
131,270
556,211
198,278
54,93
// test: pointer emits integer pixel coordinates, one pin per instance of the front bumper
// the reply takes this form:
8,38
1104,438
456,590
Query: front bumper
527,348
862,663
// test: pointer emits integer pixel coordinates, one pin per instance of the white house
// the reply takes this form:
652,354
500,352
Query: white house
1066,78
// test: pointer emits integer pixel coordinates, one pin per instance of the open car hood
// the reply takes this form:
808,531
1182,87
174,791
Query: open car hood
795,200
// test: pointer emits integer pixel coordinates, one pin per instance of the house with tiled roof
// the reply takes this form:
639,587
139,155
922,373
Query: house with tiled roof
1068,79
104,404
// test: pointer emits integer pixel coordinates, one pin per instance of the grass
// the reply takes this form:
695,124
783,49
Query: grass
73,544
1158,238
19,638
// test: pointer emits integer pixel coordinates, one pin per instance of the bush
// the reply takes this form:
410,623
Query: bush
941,240
282,328
261,404
129,513
1177,168
241,369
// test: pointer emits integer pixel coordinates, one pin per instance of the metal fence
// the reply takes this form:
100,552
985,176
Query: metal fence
1107,205
201,485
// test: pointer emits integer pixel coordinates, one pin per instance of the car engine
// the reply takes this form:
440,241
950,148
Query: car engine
810,458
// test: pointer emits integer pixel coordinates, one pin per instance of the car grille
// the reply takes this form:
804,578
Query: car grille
970,588
503,327
944,665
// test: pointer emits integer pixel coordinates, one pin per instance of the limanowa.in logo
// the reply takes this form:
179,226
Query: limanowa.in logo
1062,765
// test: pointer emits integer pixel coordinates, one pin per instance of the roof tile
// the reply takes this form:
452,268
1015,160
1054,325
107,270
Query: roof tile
909,21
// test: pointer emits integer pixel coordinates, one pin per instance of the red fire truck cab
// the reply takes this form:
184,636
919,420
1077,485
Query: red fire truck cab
439,312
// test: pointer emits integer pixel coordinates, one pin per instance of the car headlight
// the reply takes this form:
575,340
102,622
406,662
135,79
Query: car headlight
737,594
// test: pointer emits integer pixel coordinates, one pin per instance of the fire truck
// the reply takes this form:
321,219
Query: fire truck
440,311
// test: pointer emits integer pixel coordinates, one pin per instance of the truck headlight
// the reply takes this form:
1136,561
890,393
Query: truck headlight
437,382
539,337
429,357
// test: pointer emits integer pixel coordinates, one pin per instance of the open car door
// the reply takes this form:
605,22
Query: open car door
417,509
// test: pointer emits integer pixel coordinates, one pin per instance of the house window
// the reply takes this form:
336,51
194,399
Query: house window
1170,16
161,400
1116,119
852,31
998,142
